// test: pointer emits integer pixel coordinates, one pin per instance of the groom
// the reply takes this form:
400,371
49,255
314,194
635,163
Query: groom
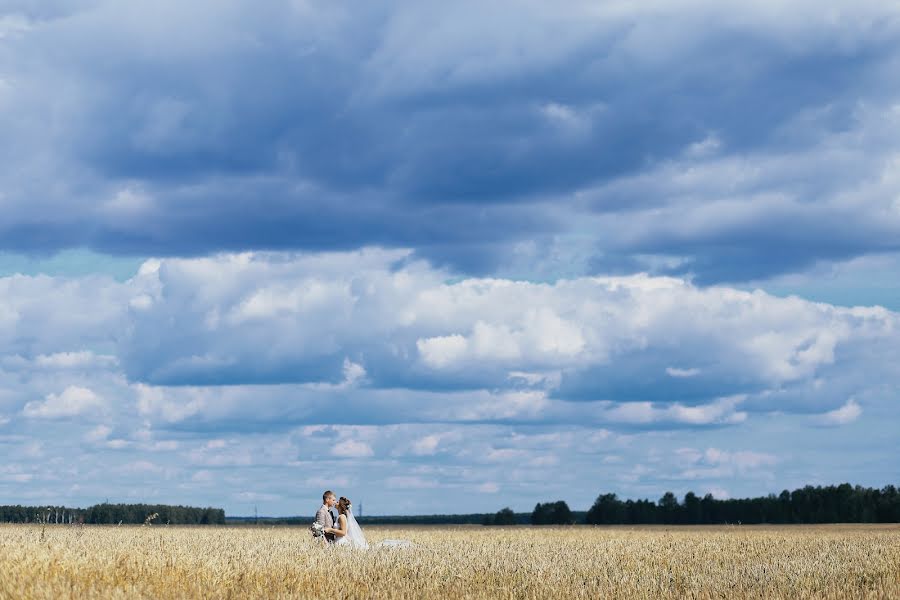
324,516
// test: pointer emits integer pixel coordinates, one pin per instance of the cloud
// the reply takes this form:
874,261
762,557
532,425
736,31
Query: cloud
58,338
426,445
676,372
408,483
157,403
847,413
442,351
71,360
527,252
722,411
72,402
98,434
380,328
352,449
553,138
391,323
714,463
745,216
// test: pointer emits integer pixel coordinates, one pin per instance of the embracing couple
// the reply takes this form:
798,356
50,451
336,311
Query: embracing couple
342,530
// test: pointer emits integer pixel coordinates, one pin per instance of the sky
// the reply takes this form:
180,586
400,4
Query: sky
446,257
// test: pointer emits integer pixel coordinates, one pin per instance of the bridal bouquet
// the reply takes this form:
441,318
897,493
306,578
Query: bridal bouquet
317,529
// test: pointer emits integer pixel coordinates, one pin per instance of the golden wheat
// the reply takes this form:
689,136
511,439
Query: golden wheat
452,562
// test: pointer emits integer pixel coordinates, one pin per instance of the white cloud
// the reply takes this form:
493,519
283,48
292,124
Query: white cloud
714,463
406,326
247,496
353,373
486,329
848,413
352,449
168,404
442,351
721,411
507,405
98,433
72,402
73,360
203,476
426,445
676,372
143,466
32,323
407,482
14,474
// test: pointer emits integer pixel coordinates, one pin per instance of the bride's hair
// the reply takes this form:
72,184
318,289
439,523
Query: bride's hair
343,505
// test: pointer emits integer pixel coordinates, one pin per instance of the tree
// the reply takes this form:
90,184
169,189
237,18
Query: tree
607,509
552,513
693,509
668,506
504,516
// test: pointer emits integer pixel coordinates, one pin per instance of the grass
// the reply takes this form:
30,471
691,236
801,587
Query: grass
842,561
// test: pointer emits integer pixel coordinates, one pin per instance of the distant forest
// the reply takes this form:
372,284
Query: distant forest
821,504
112,514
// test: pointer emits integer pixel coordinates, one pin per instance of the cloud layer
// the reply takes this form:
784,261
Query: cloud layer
517,139
232,368
438,255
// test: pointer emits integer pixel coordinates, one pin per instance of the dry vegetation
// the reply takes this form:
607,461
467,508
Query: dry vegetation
452,562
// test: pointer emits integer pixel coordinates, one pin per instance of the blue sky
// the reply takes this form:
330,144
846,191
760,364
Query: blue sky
446,257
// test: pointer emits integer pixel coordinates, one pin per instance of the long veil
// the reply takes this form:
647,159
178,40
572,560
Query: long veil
354,532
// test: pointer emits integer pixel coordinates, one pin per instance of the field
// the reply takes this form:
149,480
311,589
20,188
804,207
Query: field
843,561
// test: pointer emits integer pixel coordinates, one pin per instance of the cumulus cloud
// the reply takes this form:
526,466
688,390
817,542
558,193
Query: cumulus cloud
352,449
72,402
390,323
714,463
843,415
98,433
501,349
721,411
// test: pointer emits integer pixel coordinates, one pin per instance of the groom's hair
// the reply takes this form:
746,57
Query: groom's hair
326,494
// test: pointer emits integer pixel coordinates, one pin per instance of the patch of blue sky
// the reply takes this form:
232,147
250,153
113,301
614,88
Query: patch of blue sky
71,262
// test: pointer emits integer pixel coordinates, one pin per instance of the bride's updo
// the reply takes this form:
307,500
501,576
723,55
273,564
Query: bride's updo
343,505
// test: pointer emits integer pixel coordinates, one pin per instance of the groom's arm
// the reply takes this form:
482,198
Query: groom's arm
320,517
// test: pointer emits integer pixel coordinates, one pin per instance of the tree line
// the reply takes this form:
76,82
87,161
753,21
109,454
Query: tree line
112,514
820,504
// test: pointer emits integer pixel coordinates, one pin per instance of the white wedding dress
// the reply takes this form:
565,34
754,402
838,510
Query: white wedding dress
357,540
354,537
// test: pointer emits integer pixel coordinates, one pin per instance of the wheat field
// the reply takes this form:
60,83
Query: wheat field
844,561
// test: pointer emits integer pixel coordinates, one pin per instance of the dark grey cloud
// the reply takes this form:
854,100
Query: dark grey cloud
188,129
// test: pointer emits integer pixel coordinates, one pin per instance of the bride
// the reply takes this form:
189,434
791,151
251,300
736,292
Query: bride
348,532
